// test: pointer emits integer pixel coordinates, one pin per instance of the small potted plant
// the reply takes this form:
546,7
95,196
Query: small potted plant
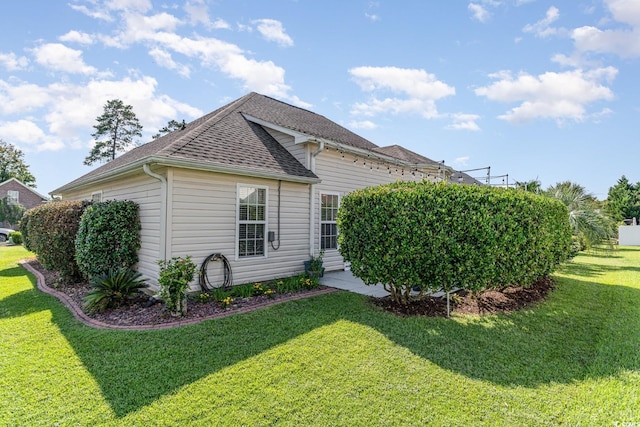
175,276
314,266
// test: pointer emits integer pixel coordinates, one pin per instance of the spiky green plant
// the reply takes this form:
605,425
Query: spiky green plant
590,225
112,289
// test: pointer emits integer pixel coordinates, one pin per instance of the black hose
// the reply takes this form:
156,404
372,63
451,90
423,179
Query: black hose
205,284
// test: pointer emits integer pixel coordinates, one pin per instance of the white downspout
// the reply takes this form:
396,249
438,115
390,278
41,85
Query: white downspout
312,203
163,210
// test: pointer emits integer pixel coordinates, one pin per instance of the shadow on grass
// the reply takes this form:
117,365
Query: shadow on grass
585,330
585,270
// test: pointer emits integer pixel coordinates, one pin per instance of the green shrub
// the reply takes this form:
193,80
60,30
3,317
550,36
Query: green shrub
50,231
108,237
174,279
15,238
451,236
113,289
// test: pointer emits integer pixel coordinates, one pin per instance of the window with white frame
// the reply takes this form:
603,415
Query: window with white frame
329,204
252,220
13,197
96,196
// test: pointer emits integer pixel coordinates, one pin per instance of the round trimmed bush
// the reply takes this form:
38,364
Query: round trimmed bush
444,236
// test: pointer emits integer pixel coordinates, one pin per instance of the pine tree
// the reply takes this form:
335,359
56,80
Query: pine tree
170,127
622,200
116,128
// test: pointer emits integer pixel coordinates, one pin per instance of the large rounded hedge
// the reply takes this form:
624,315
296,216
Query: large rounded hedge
451,236
49,231
108,237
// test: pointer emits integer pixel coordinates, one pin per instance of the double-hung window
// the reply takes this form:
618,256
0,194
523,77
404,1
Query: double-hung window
13,197
329,204
252,220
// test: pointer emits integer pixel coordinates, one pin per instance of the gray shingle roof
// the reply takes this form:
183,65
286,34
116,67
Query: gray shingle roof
408,156
225,140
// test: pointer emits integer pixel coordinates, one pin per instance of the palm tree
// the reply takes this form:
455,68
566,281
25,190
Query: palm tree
532,186
590,226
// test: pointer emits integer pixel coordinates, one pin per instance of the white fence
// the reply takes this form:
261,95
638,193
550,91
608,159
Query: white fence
629,235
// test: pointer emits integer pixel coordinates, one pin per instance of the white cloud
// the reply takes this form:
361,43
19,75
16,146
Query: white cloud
363,124
560,96
164,59
21,131
198,12
543,27
77,37
58,57
479,12
622,41
70,110
627,11
157,33
372,17
414,90
220,24
463,121
461,161
12,62
273,30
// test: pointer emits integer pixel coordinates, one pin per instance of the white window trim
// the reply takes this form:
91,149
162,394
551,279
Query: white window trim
320,222
266,223
11,199
96,193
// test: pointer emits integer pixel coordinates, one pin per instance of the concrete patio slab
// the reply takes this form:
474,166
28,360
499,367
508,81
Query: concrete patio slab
348,282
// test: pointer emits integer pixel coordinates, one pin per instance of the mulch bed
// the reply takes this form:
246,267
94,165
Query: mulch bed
509,299
138,313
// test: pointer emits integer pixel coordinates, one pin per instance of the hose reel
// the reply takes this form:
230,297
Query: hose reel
205,284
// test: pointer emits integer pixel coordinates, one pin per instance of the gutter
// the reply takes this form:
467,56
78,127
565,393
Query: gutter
312,201
187,164
162,252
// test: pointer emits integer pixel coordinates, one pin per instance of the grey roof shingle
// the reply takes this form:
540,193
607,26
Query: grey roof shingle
226,140
408,156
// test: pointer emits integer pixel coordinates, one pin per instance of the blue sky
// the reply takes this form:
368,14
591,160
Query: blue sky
534,89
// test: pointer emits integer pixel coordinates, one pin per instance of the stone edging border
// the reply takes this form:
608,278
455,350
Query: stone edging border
82,316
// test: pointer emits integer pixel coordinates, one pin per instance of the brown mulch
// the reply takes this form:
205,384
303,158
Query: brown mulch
509,299
139,313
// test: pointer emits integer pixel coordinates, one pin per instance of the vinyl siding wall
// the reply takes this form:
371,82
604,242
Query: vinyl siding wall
203,209
341,175
145,191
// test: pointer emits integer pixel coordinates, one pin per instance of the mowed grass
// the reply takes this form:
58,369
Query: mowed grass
332,360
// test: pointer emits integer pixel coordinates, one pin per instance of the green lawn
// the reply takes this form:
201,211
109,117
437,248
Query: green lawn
332,360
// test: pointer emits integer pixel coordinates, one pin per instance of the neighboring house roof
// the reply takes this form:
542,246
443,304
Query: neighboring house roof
462,178
408,156
26,187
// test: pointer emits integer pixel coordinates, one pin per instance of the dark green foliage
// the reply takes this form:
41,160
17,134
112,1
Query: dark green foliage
116,128
12,213
174,279
451,236
12,165
108,237
50,231
171,126
113,289
16,238
623,200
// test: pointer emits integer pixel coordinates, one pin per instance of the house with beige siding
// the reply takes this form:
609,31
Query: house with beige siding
258,180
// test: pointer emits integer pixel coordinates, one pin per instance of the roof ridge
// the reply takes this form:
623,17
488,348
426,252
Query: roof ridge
206,124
